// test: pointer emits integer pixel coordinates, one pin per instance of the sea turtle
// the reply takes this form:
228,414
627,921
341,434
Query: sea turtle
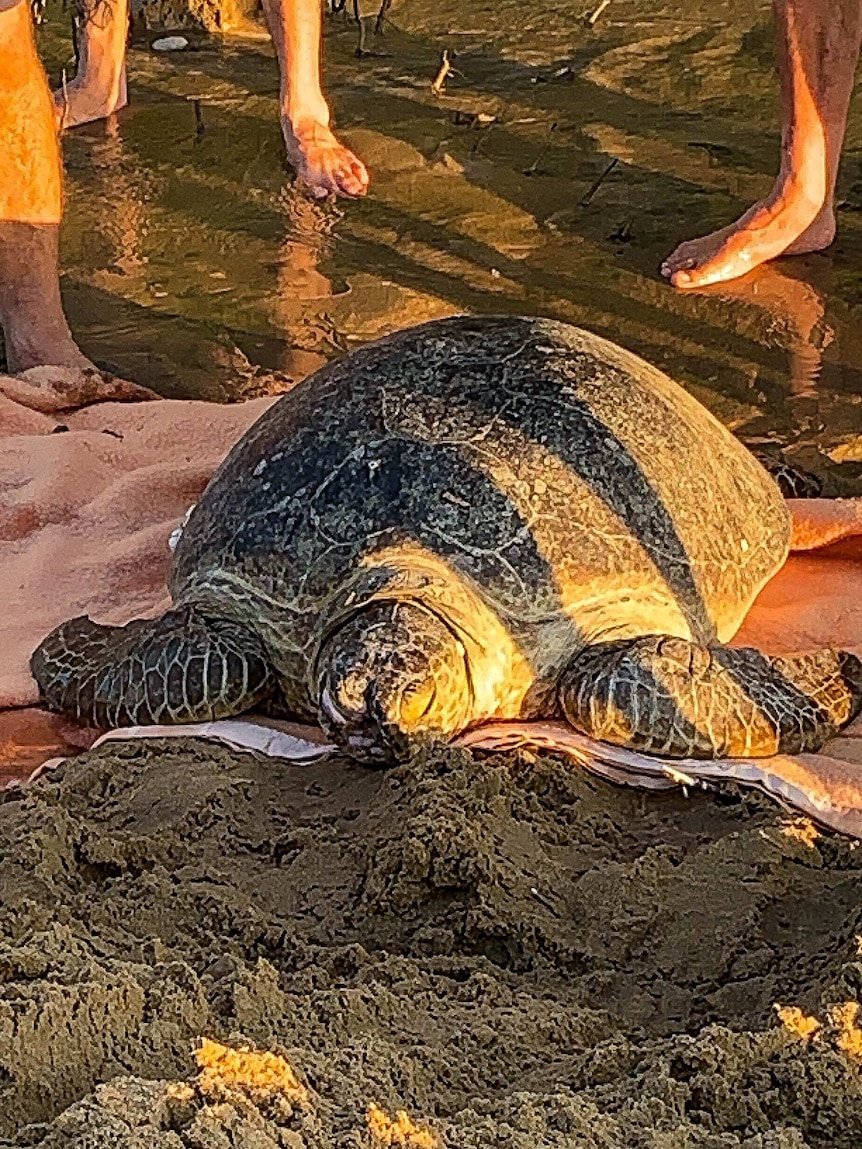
473,519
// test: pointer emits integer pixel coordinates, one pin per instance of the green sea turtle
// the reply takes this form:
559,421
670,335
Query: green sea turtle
474,519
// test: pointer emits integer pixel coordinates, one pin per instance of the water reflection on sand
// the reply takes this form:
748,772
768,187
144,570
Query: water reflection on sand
193,265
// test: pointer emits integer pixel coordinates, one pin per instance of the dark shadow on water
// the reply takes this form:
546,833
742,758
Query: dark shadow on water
180,357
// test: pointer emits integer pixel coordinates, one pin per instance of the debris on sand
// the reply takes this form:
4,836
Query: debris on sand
401,1130
845,1018
801,830
444,71
258,1073
170,44
796,1022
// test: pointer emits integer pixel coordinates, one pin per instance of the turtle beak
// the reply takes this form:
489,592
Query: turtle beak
368,732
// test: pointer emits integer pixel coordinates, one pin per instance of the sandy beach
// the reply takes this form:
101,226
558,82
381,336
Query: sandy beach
509,951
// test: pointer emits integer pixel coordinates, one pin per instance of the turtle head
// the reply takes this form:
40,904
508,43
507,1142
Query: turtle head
392,675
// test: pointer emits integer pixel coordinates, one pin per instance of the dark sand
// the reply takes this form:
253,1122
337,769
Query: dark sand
514,953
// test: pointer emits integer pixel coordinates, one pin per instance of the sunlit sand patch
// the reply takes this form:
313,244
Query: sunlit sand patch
437,259
196,84
845,1018
407,182
374,306
684,72
800,1024
850,451
801,830
400,1130
846,1034
618,67
653,154
261,1074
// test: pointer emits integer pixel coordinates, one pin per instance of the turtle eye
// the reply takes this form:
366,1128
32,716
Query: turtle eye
416,701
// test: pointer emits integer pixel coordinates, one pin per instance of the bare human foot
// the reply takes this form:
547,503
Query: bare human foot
768,229
818,47
321,161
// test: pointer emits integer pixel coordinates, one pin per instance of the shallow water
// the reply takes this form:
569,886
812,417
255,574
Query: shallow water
193,265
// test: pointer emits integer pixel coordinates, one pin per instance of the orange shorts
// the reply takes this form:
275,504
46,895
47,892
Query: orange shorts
30,173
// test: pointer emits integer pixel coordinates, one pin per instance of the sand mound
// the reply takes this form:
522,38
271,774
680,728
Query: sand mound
506,950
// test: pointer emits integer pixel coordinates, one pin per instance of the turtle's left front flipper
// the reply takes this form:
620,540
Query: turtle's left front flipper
182,667
667,696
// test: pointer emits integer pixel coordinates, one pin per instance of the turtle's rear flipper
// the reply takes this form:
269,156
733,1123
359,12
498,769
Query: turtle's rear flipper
793,482
667,696
182,667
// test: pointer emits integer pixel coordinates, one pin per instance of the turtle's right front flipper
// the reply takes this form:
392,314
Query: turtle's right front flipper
182,667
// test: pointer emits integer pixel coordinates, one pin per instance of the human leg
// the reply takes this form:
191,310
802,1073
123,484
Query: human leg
320,159
99,88
31,311
818,46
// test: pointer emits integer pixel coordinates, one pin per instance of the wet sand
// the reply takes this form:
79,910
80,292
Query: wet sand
511,952
514,953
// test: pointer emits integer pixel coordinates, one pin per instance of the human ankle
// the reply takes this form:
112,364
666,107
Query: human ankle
53,345
89,97
801,185
104,75
31,310
304,121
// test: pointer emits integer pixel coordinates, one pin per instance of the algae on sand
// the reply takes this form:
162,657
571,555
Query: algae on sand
513,953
